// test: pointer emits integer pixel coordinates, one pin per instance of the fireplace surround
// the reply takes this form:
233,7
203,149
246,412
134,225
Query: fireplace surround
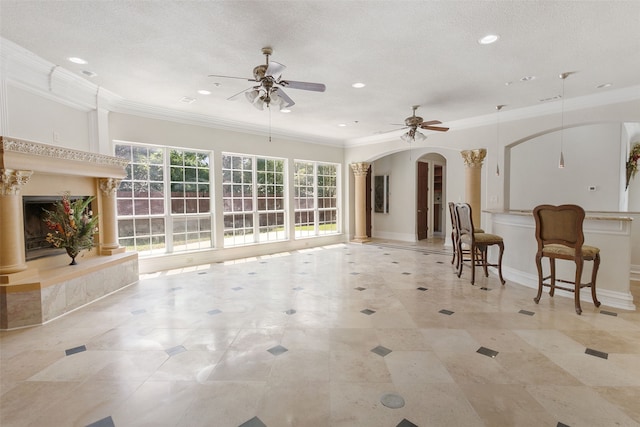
34,288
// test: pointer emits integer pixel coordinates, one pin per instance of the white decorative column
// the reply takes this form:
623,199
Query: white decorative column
473,179
109,224
12,253
360,172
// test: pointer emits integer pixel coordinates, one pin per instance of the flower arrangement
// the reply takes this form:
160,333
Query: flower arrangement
632,163
72,225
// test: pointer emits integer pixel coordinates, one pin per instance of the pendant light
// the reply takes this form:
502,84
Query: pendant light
563,76
498,108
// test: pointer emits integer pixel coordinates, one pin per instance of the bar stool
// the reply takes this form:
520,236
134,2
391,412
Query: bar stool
560,236
478,244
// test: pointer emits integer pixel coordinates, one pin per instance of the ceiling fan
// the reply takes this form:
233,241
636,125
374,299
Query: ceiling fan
414,122
269,90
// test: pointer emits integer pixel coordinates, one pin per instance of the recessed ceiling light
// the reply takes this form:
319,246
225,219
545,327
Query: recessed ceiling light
489,38
342,125
527,78
77,60
187,100
285,110
603,85
89,73
358,85
204,92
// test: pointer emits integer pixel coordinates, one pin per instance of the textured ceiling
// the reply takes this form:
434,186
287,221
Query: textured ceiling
407,52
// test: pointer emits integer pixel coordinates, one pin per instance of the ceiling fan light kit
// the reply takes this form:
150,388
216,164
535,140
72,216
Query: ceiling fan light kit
269,90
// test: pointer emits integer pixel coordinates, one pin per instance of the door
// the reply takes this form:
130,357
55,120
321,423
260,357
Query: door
422,201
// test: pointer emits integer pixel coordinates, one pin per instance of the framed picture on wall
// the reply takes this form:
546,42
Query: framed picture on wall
381,194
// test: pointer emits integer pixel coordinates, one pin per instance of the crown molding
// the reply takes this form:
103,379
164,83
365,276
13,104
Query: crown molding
610,97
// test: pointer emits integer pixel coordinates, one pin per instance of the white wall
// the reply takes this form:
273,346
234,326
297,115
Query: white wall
592,158
36,118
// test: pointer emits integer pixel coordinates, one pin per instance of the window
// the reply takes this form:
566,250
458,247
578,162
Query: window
253,196
315,198
151,221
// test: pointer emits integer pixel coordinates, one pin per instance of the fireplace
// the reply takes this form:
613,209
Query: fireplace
35,230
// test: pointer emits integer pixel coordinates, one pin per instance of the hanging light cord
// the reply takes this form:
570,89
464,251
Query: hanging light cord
499,108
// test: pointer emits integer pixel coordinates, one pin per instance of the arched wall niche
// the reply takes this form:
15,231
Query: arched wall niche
593,176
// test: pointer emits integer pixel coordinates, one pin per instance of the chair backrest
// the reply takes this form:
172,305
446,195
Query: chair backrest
454,221
463,216
559,224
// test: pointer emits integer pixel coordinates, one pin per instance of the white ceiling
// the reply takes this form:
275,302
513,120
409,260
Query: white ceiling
407,52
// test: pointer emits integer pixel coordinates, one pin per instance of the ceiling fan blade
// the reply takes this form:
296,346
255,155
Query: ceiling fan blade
432,122
275,68
233,97
393,130
316,87
231,77
436,128
288,101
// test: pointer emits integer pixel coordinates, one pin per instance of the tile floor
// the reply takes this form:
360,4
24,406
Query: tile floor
348,335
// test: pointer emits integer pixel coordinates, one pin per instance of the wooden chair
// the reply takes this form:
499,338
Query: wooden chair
455,233
560,236
478,244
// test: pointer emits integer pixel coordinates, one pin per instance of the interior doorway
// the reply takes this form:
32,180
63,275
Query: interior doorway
430,197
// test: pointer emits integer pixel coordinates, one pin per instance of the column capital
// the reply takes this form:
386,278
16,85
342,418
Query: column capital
360,168
473,158
11,181
109,186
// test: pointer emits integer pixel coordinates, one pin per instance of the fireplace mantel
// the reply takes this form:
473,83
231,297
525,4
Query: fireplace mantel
30,168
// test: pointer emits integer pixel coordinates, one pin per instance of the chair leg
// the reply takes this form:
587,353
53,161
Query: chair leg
474,252
539,266
596,265
501,246
579,265
485,255
460,259
453,241
552,265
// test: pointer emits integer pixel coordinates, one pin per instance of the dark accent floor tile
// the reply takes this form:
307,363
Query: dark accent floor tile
406,423
367,311
277,350
528,313
484,288
264,262
360,288
395,262
290,311
608,313
75,350
439,262
422,289
252,273
253,422
386,253
237,288
406,273
105,422
175,350
487,352
214,311
355,273
298,288
447,312
381,351
307,262
596,353
203,272
562,424
177,288
136,312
